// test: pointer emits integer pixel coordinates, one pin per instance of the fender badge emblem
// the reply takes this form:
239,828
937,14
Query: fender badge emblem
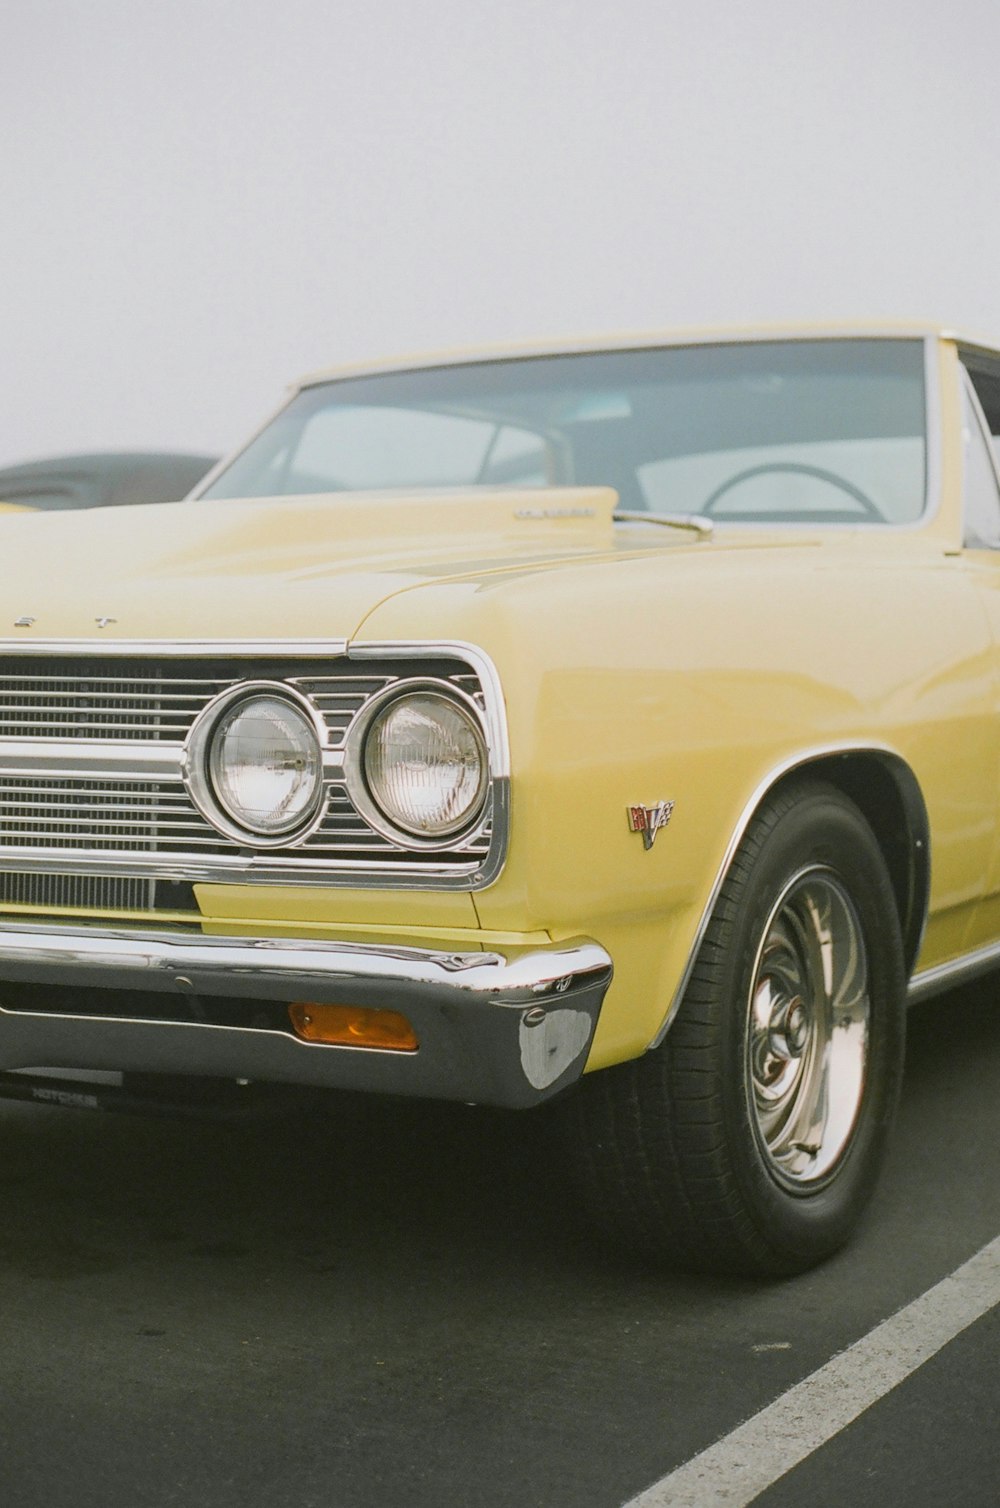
103,622
649,819
24,622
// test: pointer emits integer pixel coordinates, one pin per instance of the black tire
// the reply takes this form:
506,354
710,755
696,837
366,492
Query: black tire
699,1149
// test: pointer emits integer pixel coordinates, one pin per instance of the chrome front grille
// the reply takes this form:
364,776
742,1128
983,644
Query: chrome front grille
91,779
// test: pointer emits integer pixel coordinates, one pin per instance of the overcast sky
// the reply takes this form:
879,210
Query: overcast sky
204,198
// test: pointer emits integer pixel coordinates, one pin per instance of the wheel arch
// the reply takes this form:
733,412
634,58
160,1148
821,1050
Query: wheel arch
887,793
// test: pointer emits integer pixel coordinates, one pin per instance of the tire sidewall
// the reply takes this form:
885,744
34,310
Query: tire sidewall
820,829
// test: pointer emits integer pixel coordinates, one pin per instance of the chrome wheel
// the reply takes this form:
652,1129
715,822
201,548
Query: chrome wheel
808,1029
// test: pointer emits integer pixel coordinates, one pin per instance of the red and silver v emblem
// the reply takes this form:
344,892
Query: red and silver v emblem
649,819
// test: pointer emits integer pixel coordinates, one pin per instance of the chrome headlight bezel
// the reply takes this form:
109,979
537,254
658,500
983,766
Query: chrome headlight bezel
358,785
198,758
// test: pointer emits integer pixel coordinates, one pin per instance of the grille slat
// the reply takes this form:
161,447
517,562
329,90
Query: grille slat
90,807
76,828
78,727
84,688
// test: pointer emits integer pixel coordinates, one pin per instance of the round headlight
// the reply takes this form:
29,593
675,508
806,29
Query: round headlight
425,764
265,765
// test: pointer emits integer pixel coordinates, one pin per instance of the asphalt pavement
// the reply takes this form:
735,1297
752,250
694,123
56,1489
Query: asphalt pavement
390,1303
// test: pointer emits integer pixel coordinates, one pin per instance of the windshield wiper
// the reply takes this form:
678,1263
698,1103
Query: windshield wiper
701,525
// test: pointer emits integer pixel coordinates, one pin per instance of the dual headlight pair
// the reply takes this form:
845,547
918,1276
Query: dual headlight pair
415,764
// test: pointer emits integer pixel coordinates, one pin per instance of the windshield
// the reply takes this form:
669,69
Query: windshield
780,431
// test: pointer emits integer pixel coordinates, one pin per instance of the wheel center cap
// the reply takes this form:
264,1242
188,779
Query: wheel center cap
788,1029
796,1027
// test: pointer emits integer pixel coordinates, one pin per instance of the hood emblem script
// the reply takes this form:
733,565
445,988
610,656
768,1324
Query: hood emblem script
649,819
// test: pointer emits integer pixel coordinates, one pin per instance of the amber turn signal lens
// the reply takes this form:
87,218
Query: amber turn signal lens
353,1026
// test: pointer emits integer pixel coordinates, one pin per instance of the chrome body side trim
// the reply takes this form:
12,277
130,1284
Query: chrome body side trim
796,762
947,976
504,1027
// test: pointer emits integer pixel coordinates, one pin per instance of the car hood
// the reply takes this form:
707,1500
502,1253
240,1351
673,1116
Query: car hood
306,567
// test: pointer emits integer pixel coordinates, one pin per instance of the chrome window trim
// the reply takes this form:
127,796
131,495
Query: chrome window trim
599,345
934,438
224,462
144,761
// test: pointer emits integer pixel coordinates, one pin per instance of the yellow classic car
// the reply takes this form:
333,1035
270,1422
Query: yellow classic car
614,725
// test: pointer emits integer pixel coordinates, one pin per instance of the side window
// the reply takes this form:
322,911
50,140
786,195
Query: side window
982,491
984,374
363,448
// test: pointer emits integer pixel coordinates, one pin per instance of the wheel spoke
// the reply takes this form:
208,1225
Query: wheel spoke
807,1032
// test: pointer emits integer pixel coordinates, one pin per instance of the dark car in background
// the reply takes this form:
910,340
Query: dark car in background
102,480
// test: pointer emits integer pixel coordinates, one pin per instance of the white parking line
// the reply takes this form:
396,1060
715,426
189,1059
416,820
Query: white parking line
742,1464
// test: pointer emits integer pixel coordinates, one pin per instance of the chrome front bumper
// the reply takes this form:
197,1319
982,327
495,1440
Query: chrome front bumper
503,1027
